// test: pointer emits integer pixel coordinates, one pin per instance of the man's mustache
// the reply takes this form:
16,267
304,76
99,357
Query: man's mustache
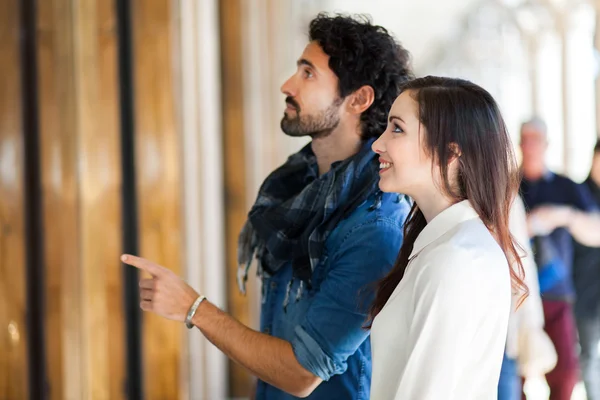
290,100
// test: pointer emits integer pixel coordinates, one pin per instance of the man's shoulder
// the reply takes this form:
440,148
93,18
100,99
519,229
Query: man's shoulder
578,195
384,214
562,180
557,189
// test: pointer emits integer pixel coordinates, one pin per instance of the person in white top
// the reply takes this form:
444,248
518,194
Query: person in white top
439,320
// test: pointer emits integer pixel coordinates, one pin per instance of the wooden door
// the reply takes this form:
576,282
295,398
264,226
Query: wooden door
158,177
13,335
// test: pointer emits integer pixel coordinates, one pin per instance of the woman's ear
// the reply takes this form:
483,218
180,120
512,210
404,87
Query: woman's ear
455,152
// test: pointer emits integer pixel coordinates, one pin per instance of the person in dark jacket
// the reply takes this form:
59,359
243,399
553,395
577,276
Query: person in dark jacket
560,210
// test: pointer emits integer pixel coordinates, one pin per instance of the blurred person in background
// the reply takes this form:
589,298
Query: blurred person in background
586,276
321,229
529,351
560,210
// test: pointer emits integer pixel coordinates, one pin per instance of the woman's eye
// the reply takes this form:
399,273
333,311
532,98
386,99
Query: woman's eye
396,129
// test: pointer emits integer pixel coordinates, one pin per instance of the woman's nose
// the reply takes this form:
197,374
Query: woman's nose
378,146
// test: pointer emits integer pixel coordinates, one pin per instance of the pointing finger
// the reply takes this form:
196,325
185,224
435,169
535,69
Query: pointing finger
143,264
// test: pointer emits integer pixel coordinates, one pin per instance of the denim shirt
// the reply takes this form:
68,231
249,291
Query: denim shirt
325,325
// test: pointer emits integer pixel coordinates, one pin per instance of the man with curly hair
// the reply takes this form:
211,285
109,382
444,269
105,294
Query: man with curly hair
322,232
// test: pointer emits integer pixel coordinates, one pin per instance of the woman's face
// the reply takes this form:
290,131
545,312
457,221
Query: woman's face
405,167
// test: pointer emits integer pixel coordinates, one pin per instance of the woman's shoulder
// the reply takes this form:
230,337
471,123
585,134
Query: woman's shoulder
468,237
468,249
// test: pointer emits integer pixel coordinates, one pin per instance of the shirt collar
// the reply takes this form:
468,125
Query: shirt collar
548,175
442,223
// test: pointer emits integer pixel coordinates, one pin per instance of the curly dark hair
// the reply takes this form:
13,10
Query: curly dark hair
360,54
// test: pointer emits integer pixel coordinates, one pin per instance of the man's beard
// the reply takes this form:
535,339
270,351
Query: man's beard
315,126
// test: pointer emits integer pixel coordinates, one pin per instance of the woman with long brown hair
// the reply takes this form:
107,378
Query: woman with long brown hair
439,319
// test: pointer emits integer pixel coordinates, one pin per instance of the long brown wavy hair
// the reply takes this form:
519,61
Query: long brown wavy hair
459,114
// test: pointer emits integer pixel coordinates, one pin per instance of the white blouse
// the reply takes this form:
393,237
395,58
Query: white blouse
442,333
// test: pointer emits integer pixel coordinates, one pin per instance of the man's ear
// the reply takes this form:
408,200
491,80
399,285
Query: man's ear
361,99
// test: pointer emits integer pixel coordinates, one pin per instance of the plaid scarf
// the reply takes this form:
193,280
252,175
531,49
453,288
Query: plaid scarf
296,210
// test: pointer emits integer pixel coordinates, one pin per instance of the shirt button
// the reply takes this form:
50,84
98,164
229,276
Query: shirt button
273,285
267,330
